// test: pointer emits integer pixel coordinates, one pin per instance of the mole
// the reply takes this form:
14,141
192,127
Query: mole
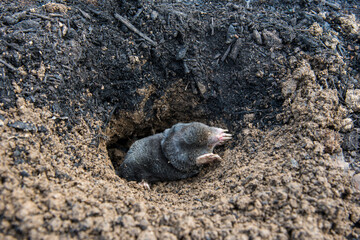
177,153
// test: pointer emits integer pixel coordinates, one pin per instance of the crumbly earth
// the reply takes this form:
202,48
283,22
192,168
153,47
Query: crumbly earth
78,86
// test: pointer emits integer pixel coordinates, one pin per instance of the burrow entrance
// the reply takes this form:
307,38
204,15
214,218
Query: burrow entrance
153,114
158,110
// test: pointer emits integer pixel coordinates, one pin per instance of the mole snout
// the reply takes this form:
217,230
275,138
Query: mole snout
221,136
177,153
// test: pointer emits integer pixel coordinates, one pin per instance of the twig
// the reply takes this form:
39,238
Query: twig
137,14
341,49
226,53
235,50
186,68
134,29
14,46
96,12
212,27
302,30
67,67
317,17
41,16
11,67
56,15
85,14
333,5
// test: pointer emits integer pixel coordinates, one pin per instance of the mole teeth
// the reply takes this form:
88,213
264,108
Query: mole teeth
224,137
227,138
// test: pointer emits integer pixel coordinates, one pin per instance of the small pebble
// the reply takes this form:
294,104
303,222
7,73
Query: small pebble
181,53
143,224
294,163
147,235
356,181
9,20
28,24
24,173
257,37
154,15
230,34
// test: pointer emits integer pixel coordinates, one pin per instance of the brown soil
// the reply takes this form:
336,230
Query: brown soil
78,87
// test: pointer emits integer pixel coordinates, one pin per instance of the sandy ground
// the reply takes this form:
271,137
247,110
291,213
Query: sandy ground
78,87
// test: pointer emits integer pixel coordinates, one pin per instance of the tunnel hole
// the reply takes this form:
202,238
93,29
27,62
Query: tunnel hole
153,114
118,147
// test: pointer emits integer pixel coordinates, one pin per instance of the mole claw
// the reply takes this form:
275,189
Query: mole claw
225,137
207,158
145,185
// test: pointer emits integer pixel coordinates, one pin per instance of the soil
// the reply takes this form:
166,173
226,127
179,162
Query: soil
82,80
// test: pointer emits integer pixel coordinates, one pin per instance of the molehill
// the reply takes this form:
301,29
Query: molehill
82,80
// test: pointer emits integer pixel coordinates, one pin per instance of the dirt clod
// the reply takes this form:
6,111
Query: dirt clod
353,99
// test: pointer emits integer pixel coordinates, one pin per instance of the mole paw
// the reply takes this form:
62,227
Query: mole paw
207,158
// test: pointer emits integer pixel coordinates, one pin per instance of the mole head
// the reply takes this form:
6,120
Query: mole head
200,134
183,143
196,133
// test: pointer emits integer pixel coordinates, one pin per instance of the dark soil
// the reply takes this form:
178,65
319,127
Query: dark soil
79,86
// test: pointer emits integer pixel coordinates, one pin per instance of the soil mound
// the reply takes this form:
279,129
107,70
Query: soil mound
82,80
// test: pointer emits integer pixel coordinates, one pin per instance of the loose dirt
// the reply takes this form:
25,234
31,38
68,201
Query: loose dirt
82,80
